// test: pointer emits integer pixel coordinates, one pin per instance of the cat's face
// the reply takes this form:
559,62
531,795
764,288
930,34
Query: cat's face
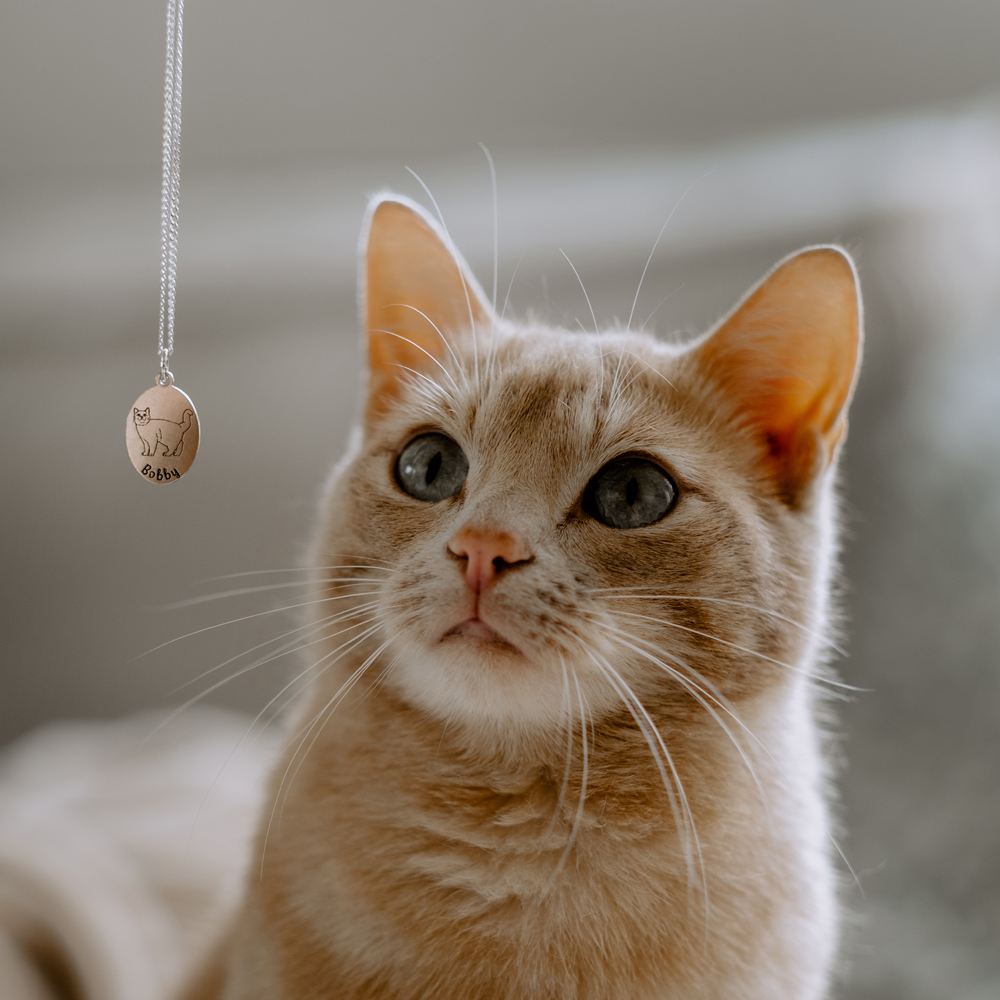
140,416
562,524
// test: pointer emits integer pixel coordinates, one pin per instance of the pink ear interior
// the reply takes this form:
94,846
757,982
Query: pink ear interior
788,358
417,296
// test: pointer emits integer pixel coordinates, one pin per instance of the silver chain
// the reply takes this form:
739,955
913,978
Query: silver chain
170,201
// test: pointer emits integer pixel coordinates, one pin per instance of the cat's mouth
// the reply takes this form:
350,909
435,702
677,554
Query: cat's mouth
478,632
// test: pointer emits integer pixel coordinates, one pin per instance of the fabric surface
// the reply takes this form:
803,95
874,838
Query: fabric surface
123,847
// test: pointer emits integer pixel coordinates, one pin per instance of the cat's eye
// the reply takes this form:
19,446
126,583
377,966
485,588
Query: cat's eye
431,467
629,492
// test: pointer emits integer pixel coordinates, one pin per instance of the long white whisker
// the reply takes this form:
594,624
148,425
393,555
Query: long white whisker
334,656
295,680
191,602
683,817
327,710
678,800
442,393
582,800
670,294
616,592
659,236
593,316
458,267
399,336
566,711
246,618
723,642
702,699
496,225
584,290
723,703
302,569
380,678
308,627
218,684
506,298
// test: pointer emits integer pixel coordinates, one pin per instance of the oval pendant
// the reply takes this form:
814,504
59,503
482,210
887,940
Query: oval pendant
161,433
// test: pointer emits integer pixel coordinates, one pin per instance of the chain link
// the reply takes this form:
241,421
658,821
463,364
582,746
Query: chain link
170,200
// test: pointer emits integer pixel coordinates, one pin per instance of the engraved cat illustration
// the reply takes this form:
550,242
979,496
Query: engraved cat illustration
156,433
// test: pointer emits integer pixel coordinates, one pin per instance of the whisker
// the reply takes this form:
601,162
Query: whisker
327,710
496,228
584,290
669,294
218,684
334,656
715,600
733,645
309,626
683,817
191,602
724,705
659,236
506,298
380,679
678,801
597,329
566,710
461,275
582,800
701,698
412,343
303,569
245,618
248,731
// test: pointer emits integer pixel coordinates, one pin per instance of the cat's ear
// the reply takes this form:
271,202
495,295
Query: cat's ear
787,357
417,294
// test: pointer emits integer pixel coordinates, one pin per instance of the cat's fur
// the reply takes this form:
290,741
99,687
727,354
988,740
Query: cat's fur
623,797
156,433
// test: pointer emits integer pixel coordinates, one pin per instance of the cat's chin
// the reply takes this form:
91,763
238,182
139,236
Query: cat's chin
475,634
472,674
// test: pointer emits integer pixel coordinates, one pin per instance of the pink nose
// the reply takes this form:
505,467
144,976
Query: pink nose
487,553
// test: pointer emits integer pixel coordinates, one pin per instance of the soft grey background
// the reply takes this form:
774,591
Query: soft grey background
866,122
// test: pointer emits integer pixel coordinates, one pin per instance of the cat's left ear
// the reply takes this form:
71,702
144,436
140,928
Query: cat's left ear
787,357
417,294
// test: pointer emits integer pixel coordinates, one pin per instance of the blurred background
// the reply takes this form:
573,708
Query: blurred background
762,125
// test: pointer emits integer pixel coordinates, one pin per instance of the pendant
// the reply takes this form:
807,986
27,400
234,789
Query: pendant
161,433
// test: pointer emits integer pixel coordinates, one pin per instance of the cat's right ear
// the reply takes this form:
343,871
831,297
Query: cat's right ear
787,357
417,294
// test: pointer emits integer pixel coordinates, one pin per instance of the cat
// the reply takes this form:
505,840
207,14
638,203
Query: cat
562,737
157,433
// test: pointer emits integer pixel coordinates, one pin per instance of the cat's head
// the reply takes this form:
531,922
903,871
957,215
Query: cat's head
559,523
140,416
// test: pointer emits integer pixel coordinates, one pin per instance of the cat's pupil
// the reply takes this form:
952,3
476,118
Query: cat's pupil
631,492
433,466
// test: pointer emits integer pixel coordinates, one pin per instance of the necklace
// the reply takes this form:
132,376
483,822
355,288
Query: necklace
162,431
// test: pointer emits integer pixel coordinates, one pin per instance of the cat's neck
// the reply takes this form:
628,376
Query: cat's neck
544,789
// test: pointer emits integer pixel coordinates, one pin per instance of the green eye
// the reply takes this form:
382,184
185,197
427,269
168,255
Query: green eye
629,493
431,467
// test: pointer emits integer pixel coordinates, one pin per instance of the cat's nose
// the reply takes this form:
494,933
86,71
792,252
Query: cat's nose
488,553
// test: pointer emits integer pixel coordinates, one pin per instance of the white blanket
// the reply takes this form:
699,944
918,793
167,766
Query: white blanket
124,850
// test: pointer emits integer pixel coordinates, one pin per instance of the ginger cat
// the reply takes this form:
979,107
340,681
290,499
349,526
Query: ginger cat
561,740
